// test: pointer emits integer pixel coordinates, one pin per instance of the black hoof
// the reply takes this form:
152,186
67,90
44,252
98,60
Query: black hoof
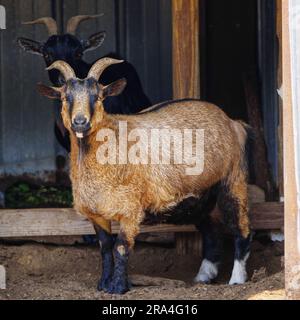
118,286
104,284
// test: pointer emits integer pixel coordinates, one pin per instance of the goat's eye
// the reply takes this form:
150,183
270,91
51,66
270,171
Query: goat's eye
47,56
78,55
69,99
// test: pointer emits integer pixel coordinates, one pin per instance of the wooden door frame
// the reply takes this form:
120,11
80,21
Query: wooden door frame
290,103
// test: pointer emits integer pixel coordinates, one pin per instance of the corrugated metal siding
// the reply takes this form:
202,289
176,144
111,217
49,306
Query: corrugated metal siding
71,8
26,119
139,30
145,39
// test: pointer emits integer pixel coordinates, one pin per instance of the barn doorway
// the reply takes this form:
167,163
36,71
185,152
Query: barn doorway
239,51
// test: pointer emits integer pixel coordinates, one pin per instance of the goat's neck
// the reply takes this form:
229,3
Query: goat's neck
84,151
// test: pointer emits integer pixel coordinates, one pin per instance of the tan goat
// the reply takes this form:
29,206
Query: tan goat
123,190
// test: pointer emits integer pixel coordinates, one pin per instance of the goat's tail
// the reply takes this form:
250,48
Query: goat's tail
245,135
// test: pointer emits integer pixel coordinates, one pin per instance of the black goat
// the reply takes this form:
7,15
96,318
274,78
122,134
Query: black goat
70,49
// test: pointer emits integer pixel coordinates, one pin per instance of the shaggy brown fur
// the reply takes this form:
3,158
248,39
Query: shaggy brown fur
123,192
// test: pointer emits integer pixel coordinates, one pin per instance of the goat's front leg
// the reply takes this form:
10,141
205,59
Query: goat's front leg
106,241
124,243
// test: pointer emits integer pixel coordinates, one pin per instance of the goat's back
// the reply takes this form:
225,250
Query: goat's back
223,144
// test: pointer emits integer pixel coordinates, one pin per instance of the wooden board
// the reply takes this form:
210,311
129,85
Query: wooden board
186,54
58,222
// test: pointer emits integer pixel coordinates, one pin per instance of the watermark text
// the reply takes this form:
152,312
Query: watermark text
152,147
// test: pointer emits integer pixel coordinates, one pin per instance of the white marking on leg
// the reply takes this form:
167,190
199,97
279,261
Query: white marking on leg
208,271
239,273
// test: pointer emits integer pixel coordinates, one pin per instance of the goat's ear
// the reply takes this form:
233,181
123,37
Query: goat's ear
49,92
114,89
94,41
30,46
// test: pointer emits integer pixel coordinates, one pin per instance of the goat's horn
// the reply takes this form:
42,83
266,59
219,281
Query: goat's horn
74,22
98,68
64,68
49,22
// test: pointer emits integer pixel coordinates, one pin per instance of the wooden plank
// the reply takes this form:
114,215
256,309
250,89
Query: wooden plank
58,222
267,216
188,243
292,254
186,54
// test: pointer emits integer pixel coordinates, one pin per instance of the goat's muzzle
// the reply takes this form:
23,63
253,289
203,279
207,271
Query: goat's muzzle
81,125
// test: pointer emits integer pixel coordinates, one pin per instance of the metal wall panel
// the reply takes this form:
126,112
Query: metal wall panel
145,39
139,30
26,119
107,22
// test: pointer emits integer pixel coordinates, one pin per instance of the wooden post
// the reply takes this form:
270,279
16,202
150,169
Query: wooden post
186,77
291,71
186,53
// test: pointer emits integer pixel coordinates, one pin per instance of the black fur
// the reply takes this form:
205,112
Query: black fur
242,247
229,206
106,244
212,240
120,283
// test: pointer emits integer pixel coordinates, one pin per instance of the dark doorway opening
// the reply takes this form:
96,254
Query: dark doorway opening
238,41
229,49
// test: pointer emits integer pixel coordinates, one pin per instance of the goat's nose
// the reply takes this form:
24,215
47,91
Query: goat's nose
80,120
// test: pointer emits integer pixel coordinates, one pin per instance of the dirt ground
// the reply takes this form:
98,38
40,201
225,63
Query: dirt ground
43,271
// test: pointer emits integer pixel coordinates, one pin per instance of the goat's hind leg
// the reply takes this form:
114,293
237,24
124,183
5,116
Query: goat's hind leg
211,252
233,203
211,237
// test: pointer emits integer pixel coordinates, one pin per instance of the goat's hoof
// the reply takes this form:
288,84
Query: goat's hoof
238,278
104,284
118,286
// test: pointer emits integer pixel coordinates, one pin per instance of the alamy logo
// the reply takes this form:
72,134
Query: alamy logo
2,18
153,147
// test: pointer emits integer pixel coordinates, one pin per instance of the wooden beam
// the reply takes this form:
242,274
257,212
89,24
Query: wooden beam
59,222
186,53
291,73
